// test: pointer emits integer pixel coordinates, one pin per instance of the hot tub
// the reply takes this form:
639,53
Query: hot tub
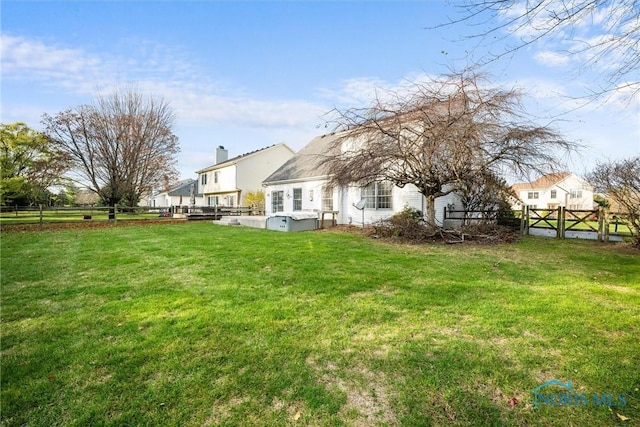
294,221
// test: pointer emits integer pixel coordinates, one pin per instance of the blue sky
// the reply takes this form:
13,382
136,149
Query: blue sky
246,75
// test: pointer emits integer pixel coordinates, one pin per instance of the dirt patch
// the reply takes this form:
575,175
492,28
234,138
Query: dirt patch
490,235
352,229
222,410
367,396
294,410
85,225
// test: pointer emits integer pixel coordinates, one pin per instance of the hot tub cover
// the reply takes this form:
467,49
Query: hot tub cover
297,215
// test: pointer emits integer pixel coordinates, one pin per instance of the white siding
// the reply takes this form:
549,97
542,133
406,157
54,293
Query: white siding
226,177
311,196
254,169
231,182
344,200
443,202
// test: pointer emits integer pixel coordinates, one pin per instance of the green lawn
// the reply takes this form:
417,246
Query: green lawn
197,324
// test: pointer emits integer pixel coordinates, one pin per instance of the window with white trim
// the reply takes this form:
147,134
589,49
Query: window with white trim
554,194
533,195
327,198
378,195
203,179
297,199
277,201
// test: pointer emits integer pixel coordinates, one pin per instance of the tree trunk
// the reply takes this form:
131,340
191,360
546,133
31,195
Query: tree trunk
430,214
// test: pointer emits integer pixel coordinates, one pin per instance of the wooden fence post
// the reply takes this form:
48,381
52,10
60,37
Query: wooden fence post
600,225
41,219
561,222
605,221
523,226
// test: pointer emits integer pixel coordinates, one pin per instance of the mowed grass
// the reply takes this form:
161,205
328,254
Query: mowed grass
198,324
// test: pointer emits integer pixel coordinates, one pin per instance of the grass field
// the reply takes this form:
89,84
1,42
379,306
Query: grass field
198,324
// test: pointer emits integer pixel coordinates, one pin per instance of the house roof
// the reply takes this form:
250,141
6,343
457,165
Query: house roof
241,157
307,164
183,188
545,181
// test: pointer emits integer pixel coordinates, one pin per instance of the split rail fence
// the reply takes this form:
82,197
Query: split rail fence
14,215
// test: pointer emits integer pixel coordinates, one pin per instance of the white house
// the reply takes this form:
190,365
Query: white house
554,190
227,181
301,185
182,193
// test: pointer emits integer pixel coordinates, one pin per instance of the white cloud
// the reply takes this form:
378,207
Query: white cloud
355,92
552,59
361,92
19,54
158,70
73,69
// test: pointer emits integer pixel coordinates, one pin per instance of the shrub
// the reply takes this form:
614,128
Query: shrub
407,224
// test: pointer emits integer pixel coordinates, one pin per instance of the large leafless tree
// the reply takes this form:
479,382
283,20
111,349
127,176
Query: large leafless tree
603,34
441,135
121,147
619,181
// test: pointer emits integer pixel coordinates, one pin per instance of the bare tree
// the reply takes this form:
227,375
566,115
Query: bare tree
603,33
620,182
121,148
440,135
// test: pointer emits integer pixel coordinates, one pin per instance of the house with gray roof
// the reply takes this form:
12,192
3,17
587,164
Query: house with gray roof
182,193
301,184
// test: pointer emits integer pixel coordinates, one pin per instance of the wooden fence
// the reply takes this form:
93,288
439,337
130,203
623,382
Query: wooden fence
562,223
598,224
14,215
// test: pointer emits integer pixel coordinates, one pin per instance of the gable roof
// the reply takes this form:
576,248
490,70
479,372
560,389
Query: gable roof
241,157
183,188
307,164
545,181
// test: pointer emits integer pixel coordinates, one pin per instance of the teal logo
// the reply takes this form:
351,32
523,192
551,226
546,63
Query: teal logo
557,393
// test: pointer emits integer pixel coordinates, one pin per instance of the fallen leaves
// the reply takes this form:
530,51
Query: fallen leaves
622,417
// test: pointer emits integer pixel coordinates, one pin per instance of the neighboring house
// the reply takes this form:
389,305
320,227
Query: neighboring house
554,190
179,194
226,182
301,185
